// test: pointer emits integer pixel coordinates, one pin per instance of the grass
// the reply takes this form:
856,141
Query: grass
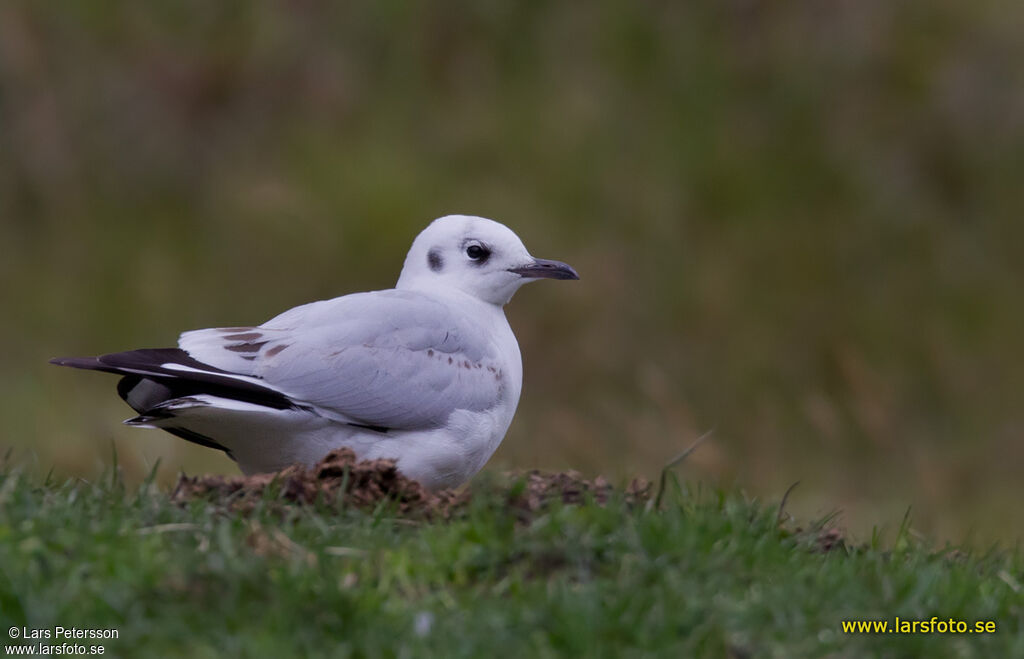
709,574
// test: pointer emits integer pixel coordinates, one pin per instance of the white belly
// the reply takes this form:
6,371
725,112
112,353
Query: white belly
262,439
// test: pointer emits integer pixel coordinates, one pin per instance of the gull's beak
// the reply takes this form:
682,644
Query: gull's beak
546,269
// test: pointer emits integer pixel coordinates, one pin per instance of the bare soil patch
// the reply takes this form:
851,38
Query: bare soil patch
367,483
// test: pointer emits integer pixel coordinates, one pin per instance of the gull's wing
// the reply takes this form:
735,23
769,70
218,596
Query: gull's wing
387,359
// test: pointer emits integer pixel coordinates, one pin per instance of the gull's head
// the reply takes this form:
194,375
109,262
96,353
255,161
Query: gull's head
476,256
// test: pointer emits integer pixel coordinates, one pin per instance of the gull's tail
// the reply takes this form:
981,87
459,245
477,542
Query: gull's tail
158,382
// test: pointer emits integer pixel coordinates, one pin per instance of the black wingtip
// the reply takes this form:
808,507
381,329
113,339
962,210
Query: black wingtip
77,362
142,420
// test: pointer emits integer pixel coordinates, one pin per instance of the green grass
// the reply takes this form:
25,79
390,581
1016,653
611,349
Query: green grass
711,573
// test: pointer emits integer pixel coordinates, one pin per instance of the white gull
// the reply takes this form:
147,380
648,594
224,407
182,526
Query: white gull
428,373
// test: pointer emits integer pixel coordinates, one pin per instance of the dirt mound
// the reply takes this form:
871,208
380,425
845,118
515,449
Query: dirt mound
364,484
570,488
339,476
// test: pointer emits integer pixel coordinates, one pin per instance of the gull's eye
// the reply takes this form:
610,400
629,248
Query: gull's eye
477,252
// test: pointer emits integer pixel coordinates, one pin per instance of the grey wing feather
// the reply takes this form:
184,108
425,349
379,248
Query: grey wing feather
393,359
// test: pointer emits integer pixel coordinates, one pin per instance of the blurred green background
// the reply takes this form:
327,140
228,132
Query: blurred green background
799,224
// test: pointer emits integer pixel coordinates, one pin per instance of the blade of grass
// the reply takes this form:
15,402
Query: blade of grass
674,462
782,504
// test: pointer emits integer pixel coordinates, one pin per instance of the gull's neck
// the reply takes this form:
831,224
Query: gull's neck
452,293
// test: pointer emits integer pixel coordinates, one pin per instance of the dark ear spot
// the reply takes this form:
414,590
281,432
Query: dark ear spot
434,260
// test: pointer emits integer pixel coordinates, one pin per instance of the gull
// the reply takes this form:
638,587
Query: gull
427,373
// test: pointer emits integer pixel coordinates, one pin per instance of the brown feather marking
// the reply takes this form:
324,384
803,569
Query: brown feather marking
246,347
245,336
